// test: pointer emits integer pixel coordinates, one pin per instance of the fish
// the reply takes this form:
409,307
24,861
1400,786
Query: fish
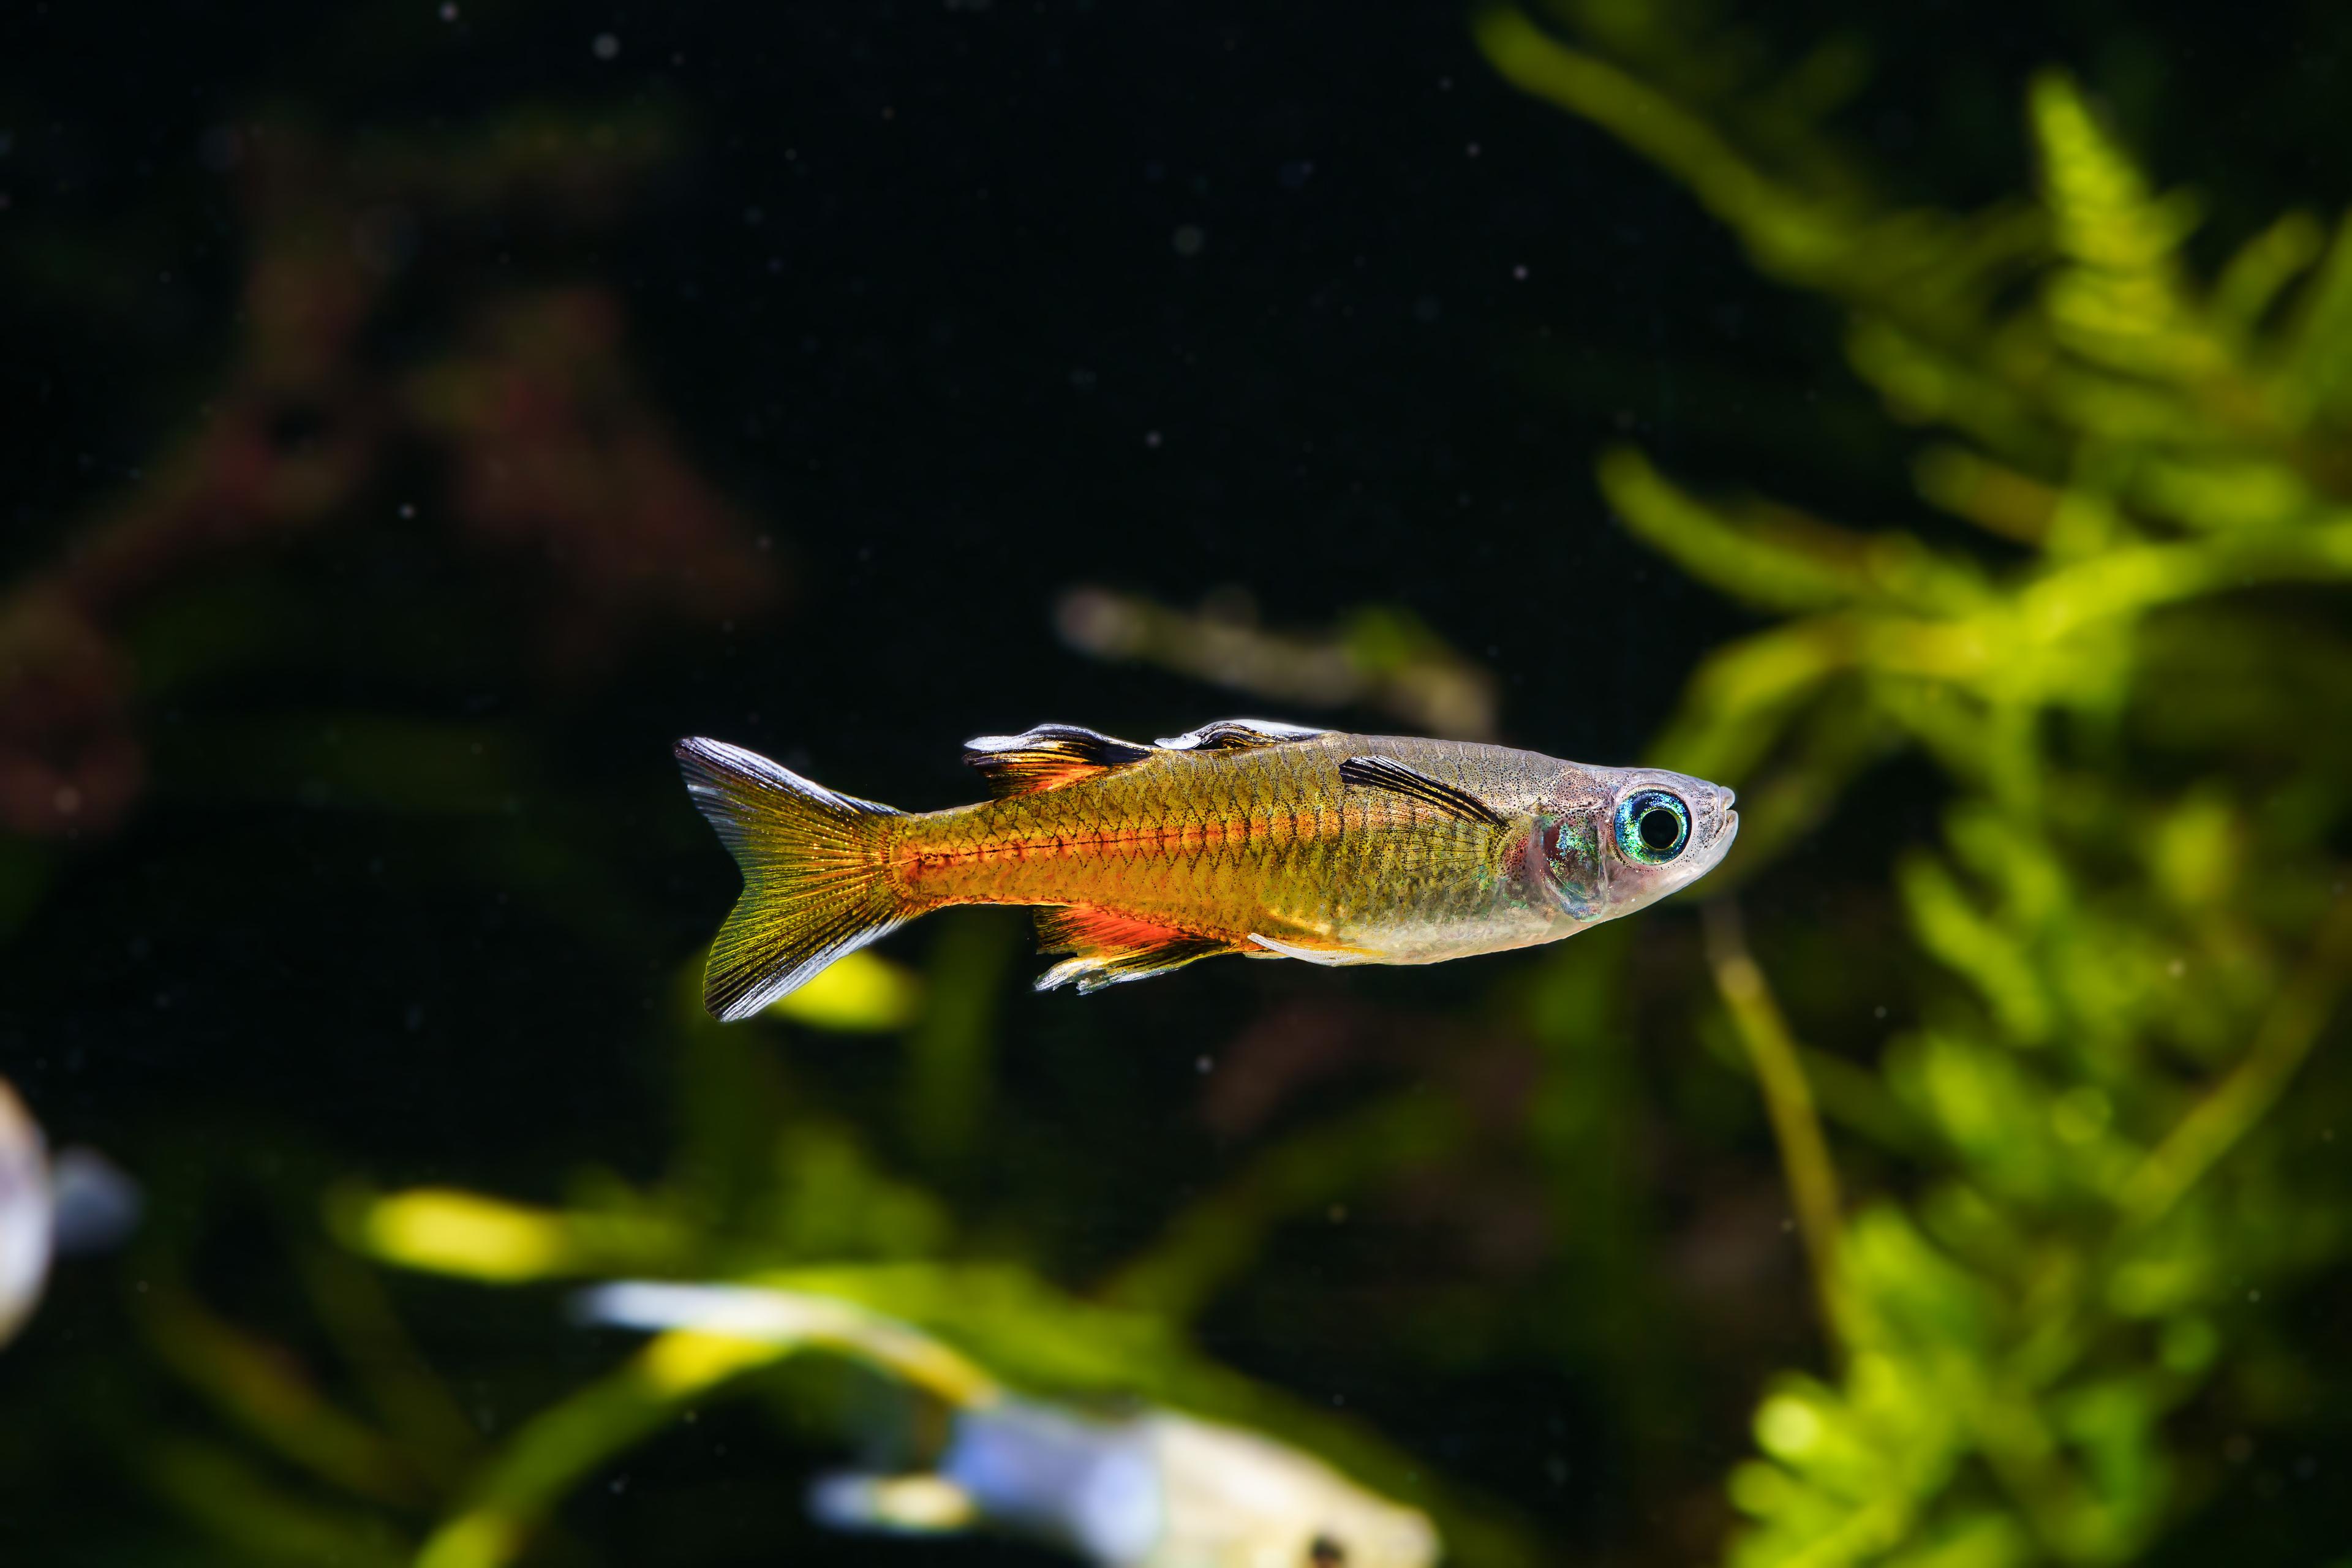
1152,1488
1155,1490
1245,836
76,1202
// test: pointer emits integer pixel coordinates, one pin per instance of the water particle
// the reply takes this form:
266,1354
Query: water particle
1189,239
1879,1010
1202,1064
407,509
1151,439
448,12
1337,1213
606,47
1519,272
1471,150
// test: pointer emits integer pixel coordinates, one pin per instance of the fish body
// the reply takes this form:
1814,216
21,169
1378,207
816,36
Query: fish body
1269,840
1153,1488
1157,1489
76,1203
25,1219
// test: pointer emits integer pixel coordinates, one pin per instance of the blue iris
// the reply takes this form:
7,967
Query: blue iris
1651,827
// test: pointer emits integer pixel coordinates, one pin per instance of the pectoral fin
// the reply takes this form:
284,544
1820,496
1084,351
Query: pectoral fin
1110,948
1388,773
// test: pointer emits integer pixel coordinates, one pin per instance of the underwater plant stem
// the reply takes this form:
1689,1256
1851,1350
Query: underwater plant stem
2284,1038
1788,1100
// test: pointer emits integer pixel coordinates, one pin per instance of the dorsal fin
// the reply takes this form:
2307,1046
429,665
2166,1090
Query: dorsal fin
1388,773
1047,757
1240,735
1108,948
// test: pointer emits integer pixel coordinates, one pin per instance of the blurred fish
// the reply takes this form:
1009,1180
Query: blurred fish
1156,1490
80,1203
1265,839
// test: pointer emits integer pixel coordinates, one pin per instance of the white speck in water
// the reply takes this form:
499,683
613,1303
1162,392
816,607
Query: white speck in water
1472,151
407,509
2177,968
449,12
1521,273
2254,1296
1152,438
1339,1214
606,47
1189,239
1202,1064
1879,1010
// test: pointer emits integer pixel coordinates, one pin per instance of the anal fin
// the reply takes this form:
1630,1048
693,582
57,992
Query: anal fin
1109,949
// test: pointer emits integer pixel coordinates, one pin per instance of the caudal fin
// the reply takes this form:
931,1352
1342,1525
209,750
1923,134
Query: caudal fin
815,880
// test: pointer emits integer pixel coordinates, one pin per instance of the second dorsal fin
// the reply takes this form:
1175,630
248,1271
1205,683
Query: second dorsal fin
1047,757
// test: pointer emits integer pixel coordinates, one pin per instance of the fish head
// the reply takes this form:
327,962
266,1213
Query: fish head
1240,1500
1612,841
1373,1534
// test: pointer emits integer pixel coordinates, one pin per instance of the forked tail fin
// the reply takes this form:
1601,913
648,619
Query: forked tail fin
816,881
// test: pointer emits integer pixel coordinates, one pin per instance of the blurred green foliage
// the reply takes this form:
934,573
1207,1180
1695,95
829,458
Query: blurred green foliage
2132,678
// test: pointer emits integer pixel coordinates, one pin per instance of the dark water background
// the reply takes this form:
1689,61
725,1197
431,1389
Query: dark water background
947,307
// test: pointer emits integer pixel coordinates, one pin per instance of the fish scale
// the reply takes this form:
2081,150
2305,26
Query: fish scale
1243,836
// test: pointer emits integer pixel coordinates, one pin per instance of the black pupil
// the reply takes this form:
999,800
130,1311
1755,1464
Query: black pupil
1326,1552
1660,828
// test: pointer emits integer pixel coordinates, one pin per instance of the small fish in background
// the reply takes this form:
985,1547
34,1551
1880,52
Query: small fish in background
76,1202
1245,836
1155,1490
1380,656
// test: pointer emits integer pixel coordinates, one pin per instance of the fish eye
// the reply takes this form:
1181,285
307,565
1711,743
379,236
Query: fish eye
1326,1552
1653,827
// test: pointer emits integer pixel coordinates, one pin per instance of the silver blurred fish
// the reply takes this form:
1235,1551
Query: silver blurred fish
78,1202
1156,1490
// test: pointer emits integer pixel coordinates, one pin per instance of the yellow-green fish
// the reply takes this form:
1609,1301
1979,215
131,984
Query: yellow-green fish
1265,839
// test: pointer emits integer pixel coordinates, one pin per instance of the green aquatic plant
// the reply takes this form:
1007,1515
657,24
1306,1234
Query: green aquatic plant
2132,681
